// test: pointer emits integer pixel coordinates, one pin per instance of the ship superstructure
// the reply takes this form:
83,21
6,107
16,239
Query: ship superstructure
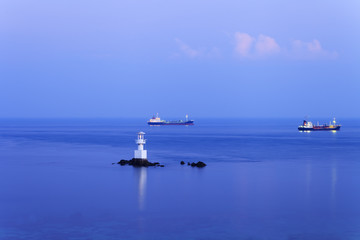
309,126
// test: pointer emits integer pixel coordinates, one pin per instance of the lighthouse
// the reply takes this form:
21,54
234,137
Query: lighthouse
140,153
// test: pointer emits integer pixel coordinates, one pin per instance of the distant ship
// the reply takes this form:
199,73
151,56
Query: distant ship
157,121
308,126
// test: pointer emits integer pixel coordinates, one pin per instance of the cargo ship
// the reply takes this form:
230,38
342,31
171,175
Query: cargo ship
308,126
156,121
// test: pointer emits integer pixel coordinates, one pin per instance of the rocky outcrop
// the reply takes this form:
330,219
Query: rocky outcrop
137,162
193,164
198,164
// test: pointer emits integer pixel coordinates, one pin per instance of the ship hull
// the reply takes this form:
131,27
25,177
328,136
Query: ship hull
170,123
319,129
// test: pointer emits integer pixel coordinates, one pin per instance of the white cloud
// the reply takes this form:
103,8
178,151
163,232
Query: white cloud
190,52
247,46
266,45
243,44
187,50
310,50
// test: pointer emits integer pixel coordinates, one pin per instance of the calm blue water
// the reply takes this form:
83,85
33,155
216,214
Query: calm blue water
264,180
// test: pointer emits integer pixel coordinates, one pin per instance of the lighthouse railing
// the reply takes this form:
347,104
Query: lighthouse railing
140,141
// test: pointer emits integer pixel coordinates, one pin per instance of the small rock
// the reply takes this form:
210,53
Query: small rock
188,164
182,162
161,166
200,164
123,162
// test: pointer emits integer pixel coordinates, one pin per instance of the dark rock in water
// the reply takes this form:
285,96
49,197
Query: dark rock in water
182,162
198,164
188,164
161,166
138,162
123,162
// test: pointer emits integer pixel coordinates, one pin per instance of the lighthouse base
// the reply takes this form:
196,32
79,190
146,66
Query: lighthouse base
140,162
140,154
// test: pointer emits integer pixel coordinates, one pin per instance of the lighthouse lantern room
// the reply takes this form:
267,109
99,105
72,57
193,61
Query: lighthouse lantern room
140,153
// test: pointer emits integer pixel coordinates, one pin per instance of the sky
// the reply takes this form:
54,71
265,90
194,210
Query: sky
134,58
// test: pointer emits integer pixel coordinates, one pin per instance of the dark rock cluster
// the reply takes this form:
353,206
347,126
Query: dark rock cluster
198,164
136,162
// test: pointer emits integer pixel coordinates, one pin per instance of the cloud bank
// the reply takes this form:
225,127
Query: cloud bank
249,47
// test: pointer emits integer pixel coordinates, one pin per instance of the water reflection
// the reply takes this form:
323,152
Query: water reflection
142,177
333,182
308,178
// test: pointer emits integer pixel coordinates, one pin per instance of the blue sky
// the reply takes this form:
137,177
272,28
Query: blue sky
203,58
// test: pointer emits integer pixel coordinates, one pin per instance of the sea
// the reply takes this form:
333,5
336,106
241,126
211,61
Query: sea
264,180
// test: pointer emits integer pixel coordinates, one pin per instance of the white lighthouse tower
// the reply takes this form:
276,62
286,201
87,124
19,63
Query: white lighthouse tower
140,153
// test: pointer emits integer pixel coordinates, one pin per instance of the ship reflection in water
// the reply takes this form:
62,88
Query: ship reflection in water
142,177
333,182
